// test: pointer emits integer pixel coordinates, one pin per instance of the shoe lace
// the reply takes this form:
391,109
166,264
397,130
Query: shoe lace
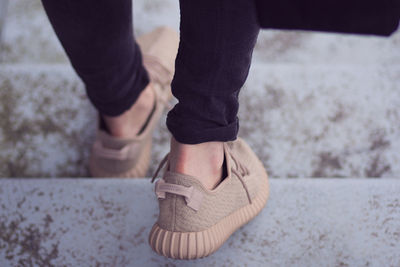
240,171
157,71
162,163
158,74
192,196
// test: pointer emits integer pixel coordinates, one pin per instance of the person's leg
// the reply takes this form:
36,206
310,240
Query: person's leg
217,40
98,39
216,45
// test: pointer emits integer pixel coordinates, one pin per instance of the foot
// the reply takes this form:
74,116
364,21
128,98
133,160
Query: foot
185,159
128,124
124,150
193,221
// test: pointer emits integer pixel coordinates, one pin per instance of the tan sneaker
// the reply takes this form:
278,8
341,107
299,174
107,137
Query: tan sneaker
194,221
118,157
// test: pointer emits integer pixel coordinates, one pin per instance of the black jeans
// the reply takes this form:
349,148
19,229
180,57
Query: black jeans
217,38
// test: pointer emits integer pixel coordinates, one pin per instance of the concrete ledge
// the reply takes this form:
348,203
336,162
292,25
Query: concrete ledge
91,222
327,121
28,37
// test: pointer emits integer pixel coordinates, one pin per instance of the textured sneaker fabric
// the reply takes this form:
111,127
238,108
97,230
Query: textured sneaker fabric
218,203
161,44
136,146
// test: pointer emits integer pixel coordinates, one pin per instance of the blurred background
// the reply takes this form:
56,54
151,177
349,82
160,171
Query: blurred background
314,105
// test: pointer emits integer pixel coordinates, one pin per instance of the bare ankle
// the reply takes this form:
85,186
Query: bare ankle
129,123
203,161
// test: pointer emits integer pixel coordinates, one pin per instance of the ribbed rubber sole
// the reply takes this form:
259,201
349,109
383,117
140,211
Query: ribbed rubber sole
194,245
139,170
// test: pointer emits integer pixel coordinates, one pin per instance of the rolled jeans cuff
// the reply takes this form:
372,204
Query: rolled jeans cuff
188,131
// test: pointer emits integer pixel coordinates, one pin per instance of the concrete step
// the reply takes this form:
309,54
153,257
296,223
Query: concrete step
326,103
307,222
29,38
302,120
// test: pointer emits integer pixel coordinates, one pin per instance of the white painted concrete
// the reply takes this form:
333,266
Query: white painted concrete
314,105
326,103
326,121
29,38
92,222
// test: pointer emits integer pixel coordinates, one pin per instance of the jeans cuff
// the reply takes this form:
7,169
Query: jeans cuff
194,132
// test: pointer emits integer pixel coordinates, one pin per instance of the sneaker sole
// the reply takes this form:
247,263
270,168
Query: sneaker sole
139,170
195,245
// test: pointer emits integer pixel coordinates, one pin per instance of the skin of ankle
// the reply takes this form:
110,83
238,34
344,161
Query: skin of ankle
203,161
128,124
